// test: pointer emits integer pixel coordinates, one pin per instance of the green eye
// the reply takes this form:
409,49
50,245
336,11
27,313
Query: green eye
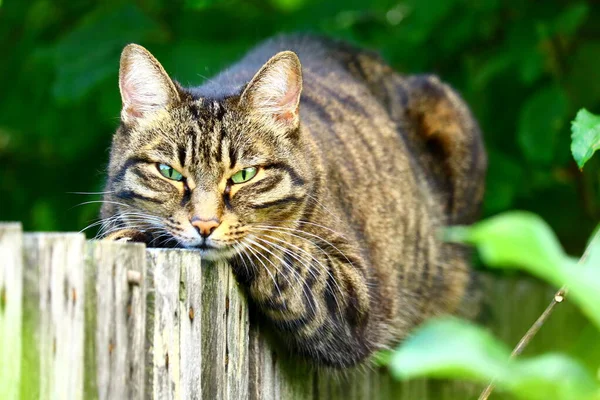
170,172
244,175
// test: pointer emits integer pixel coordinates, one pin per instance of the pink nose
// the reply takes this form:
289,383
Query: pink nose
205,226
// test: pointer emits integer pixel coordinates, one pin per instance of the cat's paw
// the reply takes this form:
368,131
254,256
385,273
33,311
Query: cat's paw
128,236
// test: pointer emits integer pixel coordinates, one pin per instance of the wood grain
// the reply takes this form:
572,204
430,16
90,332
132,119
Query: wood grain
105,320
54,266
11,309
115,321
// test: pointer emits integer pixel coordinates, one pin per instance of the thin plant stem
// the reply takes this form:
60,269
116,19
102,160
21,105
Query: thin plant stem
559,297
531,332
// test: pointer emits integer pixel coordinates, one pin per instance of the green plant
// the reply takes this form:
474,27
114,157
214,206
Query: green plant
585,137
451,348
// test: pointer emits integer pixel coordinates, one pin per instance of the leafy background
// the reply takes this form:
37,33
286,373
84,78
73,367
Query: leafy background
525,67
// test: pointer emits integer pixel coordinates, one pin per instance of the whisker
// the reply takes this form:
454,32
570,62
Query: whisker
323,267
91,193
239,248
308,269
100,201
266,269
318,203
298,276
286,230
322,226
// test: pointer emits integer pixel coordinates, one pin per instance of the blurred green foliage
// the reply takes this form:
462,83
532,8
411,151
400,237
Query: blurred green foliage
525,67
585,136
522,240
456,349
451,348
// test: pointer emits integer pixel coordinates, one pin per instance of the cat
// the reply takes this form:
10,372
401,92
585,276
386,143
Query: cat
319,173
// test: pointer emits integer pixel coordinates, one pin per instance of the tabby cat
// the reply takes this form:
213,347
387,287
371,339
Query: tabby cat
322,177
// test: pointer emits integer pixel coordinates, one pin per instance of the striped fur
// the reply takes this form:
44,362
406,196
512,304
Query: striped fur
335,237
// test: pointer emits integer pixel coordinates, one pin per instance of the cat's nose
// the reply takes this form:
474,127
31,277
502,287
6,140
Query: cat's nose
205,226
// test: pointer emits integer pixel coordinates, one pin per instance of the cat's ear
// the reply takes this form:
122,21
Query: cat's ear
274,92
145,86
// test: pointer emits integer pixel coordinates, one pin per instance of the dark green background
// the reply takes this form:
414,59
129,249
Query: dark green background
525,67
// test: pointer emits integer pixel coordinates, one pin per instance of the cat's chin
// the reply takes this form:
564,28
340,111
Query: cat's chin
221,254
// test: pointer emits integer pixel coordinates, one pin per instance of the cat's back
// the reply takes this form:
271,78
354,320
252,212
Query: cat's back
342,105
320,57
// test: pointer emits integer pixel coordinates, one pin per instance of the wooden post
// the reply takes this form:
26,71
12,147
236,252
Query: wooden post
176,338
11,297
225,334
200,330
115,321
53,298
165,270
190,334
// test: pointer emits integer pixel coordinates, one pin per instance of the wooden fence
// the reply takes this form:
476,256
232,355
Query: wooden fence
88,320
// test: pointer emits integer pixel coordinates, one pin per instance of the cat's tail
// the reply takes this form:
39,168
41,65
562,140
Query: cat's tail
440,131
444,137
451,145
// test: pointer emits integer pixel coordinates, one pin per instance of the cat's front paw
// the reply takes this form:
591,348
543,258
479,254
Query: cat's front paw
128,235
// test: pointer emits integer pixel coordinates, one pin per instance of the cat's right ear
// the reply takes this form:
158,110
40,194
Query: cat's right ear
145,86
274,92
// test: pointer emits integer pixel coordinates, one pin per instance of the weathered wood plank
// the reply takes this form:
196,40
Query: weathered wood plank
237,337
166,272
115,320
31,364
136,323
297,379
214,299
224,335
263,383
55,292
190,335
11,298
176,338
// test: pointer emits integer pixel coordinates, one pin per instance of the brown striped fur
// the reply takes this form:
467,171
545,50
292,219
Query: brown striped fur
336,236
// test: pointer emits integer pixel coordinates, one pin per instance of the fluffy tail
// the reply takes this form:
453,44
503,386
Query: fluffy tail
452,145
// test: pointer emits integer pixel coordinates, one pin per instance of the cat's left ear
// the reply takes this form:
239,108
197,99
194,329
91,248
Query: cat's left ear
274,92
145,86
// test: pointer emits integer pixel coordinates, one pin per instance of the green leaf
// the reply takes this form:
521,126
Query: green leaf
514,239
450,348
200,4
542,118
288,5
571,19
593,250
585,136
493,66
523,240
551,376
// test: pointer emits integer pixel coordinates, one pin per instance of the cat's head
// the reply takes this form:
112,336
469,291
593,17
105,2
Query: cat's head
207,173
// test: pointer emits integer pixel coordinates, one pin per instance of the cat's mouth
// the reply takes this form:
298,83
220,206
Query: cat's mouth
212,253
209,249
205,246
